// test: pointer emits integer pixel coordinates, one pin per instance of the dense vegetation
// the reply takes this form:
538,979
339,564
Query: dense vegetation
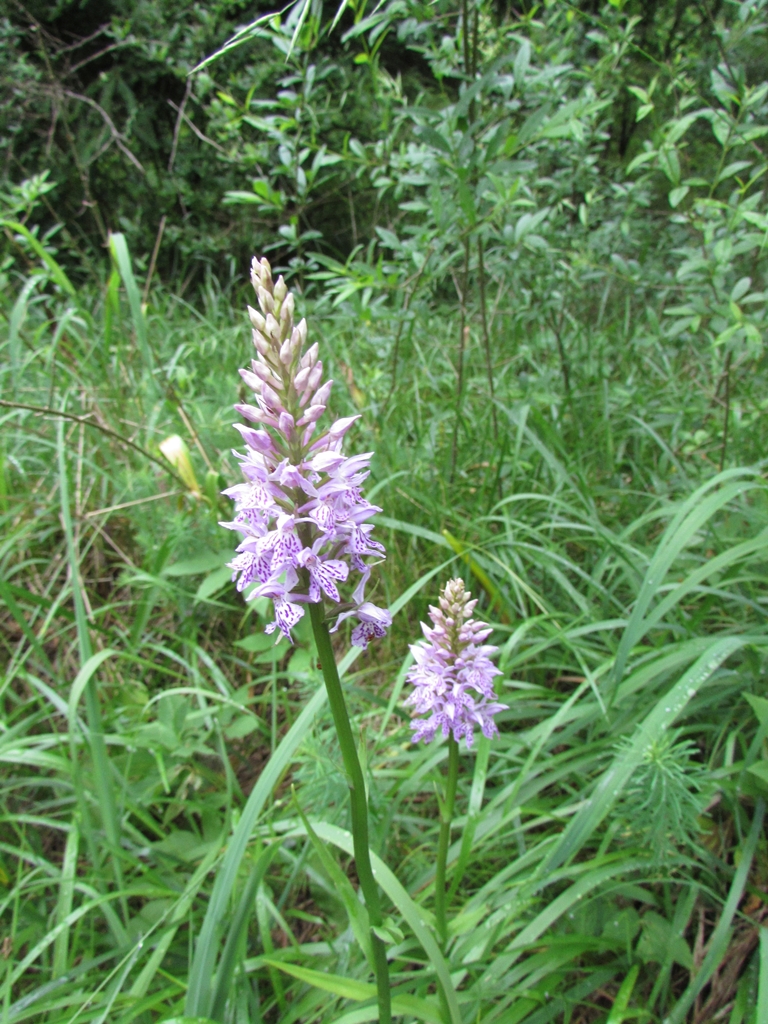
531,241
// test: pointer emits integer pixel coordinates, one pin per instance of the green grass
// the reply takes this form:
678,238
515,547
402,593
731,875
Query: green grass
160,761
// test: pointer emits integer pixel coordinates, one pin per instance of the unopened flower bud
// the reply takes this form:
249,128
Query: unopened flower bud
310,356
266,301
262,345
300,380
273,329
286,310
295,344
251,380
271,399
313,381
301,327
255,274
313,413
281,289
255,415
261,275
285,424
322,396
286,356
315,376
264,373
257,319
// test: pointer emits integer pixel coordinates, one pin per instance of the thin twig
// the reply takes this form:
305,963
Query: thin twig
152,262
557,328
177,126
196,130
41,410
99,529
85,39
129,504
100,53
117,136
193,432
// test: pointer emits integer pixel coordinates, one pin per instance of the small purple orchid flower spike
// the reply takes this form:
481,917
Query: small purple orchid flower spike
305,524
453,675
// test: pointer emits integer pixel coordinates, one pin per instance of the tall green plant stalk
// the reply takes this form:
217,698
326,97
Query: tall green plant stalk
358,804
446,816
100,757
727,408
463,337
486,336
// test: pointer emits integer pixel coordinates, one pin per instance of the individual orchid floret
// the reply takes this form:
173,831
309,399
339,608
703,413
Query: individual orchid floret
453,675
300,510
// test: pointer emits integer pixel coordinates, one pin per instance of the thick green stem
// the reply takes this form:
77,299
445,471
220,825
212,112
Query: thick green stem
358,803
445,839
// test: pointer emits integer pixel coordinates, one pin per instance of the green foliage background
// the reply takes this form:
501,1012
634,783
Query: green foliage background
531,241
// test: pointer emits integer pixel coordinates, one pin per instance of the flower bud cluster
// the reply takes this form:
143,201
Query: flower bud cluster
453,675
304,521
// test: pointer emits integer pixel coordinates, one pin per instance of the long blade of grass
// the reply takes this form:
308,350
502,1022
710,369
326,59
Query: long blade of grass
119,249
64,903
228,962
85,681
177,915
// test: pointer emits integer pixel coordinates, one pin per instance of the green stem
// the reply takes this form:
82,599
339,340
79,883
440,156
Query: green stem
358,803
445,839
727,413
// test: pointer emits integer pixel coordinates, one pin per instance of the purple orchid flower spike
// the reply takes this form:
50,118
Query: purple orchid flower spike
304,521
453,675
